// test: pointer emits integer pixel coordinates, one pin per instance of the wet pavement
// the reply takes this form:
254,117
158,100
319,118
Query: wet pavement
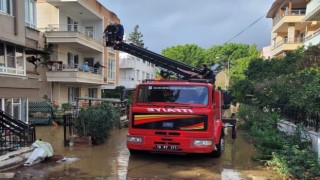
113,161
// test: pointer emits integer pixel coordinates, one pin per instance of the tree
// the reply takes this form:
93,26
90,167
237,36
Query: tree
136,37
190,54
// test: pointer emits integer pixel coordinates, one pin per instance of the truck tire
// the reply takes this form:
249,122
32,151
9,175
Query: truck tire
133,151
217,153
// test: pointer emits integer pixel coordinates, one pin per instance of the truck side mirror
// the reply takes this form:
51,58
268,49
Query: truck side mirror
227,99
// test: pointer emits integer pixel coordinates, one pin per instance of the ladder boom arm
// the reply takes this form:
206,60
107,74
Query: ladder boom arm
156,59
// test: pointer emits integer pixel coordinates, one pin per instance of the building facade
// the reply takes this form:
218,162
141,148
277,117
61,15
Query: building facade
134,70
313,17
295,24
73,33
19,39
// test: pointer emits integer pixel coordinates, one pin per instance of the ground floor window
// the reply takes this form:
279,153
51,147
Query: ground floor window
93,92
15,107
73,93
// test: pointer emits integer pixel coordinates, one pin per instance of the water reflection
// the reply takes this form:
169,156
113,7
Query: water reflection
112,160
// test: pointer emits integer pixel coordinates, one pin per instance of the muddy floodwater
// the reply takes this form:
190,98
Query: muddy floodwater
112,161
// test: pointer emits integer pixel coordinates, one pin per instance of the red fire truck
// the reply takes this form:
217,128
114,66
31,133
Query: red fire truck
183,115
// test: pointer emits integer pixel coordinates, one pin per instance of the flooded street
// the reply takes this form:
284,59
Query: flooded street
112,160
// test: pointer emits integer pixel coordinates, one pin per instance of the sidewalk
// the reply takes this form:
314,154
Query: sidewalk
14,159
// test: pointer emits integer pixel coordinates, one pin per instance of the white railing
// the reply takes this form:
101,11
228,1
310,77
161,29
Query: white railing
72,28
300,12
288,41
314,34
73,67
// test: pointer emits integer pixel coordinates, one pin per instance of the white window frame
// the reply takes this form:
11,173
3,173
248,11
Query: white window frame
4,6
30,13
4,69
112,69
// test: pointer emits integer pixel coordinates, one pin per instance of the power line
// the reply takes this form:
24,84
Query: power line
253,23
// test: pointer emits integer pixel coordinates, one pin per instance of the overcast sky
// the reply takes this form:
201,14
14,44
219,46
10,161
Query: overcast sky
166,23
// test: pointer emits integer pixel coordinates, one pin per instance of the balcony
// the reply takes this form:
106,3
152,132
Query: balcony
313,11
74,35
281,23
286,45
127,64
313,39
73,74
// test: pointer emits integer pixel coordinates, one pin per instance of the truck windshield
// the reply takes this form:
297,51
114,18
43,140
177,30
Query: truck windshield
175,94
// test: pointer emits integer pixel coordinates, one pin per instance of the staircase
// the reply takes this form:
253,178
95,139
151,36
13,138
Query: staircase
14,133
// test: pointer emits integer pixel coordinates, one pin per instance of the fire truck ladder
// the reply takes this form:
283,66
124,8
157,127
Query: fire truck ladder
158,60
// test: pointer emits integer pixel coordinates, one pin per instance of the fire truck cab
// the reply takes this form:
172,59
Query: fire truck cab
177,116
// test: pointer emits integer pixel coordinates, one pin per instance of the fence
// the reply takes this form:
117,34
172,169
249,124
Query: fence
14,134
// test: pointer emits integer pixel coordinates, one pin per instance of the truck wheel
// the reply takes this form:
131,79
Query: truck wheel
217,153
133,151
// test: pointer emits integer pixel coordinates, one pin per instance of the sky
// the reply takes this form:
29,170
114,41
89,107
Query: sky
167,23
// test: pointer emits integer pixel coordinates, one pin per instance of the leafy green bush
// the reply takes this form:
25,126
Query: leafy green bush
66,107
289,155
97,122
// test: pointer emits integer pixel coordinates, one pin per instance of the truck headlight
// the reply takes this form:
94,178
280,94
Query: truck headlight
199,142
135,139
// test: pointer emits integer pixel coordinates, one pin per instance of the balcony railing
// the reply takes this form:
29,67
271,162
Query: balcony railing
72,67
72,28
289,41
300,12
314,34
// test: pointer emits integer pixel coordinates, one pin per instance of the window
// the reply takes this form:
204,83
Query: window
138,75
196,95
90,61
2,59
72,25
93,92
11,59
73,60
5,6
30,13
19,59
111,69
89,31
73,92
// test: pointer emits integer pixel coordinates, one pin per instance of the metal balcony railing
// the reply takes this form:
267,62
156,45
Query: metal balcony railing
300,12
73,28
72,67
289,41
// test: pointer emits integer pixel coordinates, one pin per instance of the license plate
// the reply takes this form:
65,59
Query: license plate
165,147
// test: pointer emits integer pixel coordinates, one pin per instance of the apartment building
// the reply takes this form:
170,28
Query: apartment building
288,31
134,70
73,31
19,39
313,17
